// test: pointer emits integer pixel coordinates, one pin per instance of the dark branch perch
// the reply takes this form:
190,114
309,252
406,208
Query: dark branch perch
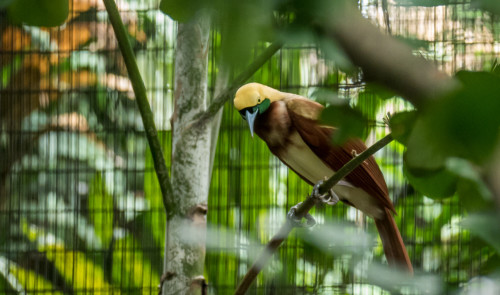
302,210
143,105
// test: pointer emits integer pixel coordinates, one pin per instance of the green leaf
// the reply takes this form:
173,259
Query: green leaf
466,170
485,225
101,210
331,50
463,124
466,123
381,91
350,122
343,236
64,259
326,96
242,25
42,13
495,68
5,3
433,184
401,125
491,265
471,196
181,11
395,280
422,152
131,269
6,286
472,191
492,6
22,277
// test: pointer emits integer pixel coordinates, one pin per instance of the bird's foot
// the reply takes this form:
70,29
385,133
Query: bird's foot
329,198
387,118
296,221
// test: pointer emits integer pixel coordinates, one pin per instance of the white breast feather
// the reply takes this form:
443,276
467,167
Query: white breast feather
302,159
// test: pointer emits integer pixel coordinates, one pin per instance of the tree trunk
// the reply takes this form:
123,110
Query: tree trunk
186,230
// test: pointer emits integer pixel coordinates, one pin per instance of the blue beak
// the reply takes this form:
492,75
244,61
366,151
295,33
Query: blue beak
250,117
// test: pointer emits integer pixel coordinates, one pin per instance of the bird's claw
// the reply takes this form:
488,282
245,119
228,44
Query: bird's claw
329,198
296,221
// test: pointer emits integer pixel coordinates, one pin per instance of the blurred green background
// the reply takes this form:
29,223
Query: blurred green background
80,207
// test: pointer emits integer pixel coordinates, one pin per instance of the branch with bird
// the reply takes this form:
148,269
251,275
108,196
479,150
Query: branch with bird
289,124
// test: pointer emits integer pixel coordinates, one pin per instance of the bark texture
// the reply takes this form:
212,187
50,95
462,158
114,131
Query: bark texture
186,230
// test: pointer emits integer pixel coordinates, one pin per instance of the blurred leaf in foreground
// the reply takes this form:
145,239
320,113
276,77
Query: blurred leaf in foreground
401,125
397,281
77,269
337,241
422,153
22,280
349,121
131,269
326,96
180,11
492,6
463,124
381,91
5,3
485,225
482,285
101,210
42,13
472,190
87,274
433,184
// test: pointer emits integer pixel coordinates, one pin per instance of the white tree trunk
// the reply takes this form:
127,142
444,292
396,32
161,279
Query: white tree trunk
186,231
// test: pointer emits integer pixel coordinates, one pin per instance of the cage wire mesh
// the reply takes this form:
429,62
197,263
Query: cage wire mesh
80,207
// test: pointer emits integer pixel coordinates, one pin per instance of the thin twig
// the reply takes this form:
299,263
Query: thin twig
227,93
355,162
302,210
143,105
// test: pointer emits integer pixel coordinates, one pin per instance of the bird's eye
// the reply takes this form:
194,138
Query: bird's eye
258,100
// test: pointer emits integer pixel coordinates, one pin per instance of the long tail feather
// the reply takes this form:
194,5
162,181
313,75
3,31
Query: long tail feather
394,248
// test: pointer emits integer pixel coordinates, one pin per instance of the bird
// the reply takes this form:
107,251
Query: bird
289,125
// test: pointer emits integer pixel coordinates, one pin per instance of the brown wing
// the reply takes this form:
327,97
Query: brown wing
304,115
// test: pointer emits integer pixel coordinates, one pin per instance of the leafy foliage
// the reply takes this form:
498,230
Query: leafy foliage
436,184
101,210
80,234
43,13
350,122
401,125
464,124
87,160
488,5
